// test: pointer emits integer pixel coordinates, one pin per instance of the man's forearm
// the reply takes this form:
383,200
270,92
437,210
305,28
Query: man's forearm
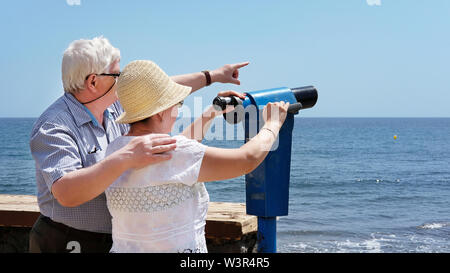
228,73
196,80
88,182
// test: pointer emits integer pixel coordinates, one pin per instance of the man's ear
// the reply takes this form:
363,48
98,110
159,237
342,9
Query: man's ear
91,81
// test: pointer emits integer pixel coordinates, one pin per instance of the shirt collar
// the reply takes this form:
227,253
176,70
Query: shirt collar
110,110
81,113
77,109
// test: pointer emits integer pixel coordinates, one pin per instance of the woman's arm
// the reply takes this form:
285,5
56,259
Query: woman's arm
200,126
226,74
220,164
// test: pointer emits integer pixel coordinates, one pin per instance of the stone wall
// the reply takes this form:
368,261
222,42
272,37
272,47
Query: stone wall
228,228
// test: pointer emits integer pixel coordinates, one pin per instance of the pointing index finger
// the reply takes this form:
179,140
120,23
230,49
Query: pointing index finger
240,65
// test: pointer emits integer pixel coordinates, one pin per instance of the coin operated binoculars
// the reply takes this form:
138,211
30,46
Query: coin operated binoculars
267,187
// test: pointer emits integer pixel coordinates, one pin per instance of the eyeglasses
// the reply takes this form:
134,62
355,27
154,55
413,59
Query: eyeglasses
103,74
115,75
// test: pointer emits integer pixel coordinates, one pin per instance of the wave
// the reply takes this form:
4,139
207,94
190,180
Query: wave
434,225
331,233
372,245
375,243
377,181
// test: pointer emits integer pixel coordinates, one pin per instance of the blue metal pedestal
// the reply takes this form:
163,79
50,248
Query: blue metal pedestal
267,234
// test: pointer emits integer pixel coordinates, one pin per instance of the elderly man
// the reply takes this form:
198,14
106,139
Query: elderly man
69,140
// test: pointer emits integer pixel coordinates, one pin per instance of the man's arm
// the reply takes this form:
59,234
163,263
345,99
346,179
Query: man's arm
226,74
83,185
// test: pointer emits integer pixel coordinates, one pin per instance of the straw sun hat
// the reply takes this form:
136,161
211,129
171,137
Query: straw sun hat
144,90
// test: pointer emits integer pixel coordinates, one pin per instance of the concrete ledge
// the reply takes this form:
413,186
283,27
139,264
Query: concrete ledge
18,210
228,227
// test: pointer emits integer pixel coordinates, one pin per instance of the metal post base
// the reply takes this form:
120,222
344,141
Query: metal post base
267,234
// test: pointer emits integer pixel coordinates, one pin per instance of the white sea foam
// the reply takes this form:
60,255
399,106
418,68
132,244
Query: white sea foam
373,245
434,225
298,247
348,246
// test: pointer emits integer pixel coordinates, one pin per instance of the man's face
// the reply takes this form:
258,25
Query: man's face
105,82
115,69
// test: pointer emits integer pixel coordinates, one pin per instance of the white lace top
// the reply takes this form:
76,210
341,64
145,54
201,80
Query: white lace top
162,207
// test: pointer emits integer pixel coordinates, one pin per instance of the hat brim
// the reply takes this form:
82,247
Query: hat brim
181,91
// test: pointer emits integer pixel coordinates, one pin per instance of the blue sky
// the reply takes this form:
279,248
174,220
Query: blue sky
387,60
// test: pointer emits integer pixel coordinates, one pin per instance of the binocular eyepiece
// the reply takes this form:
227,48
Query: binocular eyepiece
306,98
223,102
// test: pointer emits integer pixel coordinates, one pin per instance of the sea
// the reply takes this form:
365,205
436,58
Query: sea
357,185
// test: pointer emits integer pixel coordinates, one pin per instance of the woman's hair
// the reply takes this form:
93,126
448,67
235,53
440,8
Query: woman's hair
140,121
84,57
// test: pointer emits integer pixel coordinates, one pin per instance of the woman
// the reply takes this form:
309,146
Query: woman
162,207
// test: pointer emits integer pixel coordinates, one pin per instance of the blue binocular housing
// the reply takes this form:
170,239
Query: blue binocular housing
299,98
267,187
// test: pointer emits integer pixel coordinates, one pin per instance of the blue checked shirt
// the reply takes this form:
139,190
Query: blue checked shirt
65,138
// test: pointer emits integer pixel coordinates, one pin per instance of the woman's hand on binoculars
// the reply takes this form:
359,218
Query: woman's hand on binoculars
228,73
275,113
228,93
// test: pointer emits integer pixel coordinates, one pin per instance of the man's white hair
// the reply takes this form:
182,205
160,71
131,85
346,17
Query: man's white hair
85,57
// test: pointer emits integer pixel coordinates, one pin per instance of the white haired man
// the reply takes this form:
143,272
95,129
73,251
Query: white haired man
69,140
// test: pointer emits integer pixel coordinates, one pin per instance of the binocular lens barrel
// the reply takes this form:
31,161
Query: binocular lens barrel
307,96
